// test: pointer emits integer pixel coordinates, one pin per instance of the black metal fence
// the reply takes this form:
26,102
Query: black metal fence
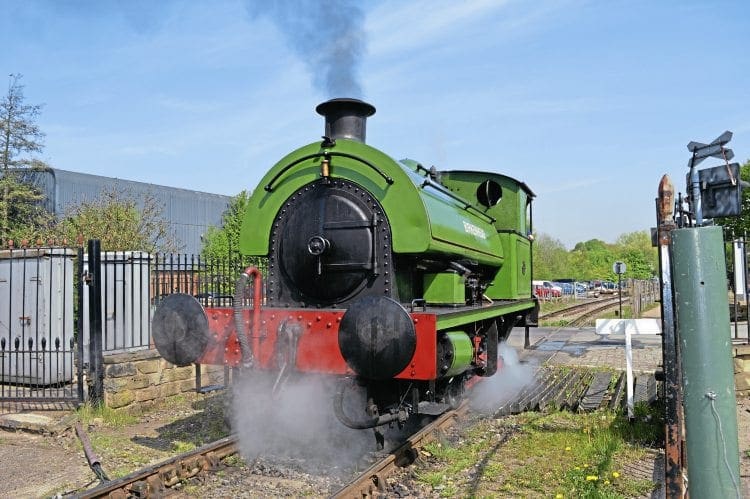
49,349
210,280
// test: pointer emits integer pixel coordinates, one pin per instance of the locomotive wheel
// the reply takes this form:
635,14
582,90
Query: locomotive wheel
455,392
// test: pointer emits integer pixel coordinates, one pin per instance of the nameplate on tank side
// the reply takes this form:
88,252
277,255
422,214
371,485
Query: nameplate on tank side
472,229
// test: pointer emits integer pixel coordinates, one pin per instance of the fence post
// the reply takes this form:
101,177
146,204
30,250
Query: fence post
78,281
96,355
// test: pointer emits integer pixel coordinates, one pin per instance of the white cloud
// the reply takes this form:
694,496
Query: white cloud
399,26
396,27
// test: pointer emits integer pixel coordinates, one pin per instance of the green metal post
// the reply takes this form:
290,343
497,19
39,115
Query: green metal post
702,310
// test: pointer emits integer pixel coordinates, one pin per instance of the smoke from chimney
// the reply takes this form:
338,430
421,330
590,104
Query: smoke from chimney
328,36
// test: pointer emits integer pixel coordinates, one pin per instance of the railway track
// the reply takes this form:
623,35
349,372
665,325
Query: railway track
373,480
558,388
154,480
580,312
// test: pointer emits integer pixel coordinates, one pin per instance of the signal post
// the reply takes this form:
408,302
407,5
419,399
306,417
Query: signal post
698,369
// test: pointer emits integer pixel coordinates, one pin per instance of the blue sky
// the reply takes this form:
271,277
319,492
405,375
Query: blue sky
588,102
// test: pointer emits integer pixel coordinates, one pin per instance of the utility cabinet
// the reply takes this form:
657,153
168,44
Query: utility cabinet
36,316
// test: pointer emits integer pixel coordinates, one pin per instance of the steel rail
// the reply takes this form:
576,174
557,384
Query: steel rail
579,320
578,306
371,482
152,481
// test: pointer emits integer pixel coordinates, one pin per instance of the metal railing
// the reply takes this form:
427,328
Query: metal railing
211,280
46,297
133,283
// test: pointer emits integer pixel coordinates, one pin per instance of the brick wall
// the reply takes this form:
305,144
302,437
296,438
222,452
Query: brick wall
742,369
138,380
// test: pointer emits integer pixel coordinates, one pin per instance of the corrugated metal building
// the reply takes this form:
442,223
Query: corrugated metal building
189,213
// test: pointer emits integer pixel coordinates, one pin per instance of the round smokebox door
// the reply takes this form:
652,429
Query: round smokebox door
377,337
326,249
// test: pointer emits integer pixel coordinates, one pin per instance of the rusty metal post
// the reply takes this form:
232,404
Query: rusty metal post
673,438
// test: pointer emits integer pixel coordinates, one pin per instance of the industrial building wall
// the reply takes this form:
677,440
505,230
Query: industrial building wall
188,213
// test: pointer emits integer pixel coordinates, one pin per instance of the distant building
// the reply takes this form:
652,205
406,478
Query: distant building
188,213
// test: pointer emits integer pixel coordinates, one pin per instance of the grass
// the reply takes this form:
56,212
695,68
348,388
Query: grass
627,312
90,414
546,306
556,323
120,455
179,447
235,460
559,454
125,444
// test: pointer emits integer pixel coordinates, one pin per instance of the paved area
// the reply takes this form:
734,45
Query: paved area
583,347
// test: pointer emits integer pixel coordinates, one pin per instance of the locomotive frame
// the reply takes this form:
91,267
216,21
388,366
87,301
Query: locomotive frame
400,277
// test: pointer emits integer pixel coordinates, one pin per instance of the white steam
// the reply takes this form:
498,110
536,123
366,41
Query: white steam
512,376
297,423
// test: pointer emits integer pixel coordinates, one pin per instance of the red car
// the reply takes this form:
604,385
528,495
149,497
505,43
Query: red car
543,291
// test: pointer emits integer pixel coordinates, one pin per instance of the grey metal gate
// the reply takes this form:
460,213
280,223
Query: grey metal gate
38,347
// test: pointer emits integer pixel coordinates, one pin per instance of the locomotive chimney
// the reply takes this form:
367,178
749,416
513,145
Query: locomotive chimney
345,118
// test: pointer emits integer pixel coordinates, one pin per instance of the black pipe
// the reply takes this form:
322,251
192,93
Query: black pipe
239,323
464,271
338,408
94,462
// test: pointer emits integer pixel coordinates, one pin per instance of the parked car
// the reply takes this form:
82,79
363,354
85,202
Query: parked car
554,286
545,289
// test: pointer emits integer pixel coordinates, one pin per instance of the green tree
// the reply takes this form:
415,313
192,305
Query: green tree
220,242
20,138
640,258
593,258
120,222
550,258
